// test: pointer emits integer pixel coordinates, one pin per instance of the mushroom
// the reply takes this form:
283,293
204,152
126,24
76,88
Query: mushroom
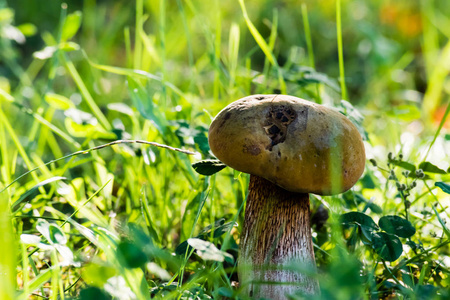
290,147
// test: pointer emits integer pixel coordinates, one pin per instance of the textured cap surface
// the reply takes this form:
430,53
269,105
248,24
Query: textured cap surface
299,145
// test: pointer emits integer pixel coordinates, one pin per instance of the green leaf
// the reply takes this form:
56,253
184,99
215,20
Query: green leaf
69,46
202,141
360,219
208,167
430,168
368,182
397,225
387,246
27,29
82,124
88,130
44,228
56,235
132,255
58,101
208,251
71,25
366,236
445,187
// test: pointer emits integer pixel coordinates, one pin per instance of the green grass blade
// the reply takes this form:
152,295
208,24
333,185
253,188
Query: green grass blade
70,67
126,34
217,52
233,50
5,168
430,44
137,73
162,52
8,251
340,50
48,125
17,143
436,82
55,276
87,201
145,209
272,40
137,40
187,33
438,131
37,282
264,47
308,38
25,265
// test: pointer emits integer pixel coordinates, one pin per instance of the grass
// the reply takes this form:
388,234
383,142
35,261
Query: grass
85,215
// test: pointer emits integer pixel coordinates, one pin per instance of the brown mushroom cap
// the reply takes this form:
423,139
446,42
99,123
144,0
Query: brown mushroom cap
299,145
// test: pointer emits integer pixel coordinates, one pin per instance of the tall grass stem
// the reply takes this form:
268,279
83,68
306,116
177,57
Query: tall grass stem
308,38
340,50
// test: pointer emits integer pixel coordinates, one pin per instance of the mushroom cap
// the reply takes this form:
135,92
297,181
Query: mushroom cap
299,145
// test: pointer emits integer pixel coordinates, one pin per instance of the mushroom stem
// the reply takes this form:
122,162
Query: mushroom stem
276,235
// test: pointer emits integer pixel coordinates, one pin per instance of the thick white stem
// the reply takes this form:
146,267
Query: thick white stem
276,236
